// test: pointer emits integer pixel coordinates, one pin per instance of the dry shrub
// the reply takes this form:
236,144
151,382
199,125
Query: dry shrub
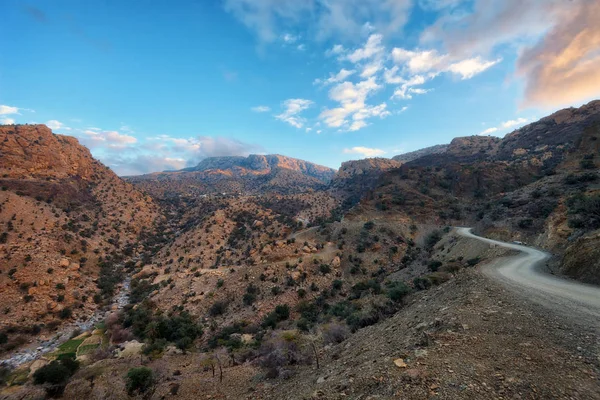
334,333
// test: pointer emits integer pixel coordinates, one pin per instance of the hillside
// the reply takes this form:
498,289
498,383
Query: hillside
251,175
62,215
538,184
360,287
413,155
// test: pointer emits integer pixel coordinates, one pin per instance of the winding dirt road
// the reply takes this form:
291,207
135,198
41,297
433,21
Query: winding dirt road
525,273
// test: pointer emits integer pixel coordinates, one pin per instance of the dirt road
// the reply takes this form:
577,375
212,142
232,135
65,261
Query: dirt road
526,274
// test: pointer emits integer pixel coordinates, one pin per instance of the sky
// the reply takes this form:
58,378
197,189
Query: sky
159,85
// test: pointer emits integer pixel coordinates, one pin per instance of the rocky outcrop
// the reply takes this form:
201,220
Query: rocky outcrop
367,166
413,155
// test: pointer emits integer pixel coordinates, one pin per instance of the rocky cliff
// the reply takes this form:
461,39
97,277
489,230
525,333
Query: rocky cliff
62,214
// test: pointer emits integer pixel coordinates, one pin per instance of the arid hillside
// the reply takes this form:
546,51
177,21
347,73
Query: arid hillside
539,184
63,217
255,174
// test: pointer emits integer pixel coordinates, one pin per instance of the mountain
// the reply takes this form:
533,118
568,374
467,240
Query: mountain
253,174
538,184
413,155
62,215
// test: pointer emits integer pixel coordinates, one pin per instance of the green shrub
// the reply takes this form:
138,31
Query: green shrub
421,283
432,239
139,380
337,284
434,265
324,269
281,313
397,291
473,261
218,308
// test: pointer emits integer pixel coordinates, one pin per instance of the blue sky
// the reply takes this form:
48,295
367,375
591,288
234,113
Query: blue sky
160,86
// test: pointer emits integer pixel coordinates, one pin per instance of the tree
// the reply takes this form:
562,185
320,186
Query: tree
139,380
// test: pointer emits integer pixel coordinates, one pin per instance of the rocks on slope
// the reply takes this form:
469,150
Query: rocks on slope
60,212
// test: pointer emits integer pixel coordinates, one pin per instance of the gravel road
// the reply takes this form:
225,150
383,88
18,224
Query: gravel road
526,273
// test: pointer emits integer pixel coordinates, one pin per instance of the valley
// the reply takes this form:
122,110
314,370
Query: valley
268,277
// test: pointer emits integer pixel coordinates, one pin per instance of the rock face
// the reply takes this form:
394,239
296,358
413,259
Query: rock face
60,210
255,173
32,151
413,155
350,169
262,164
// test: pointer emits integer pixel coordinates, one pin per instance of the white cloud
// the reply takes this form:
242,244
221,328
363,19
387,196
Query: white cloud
488,131
261,109
371,68
339,77
436,5
54,124
430,61
347,19
293,107
406,90
365,151
418,61
470,67
118,139
7,121
514,122
289,38
301,47
336,50
352,103
5,110
372,48
506,125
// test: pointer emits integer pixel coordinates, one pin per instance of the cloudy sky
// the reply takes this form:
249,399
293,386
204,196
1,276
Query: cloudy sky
161,85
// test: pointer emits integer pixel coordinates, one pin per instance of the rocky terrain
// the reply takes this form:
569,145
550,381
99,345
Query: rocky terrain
255,174
269,277
62,216
413,155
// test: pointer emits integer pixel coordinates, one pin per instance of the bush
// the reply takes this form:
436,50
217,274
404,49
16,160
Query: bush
525,223
397,291
65,313
473,261
139,380
369,225
54,373
324,269
432,239
281,313
335,333
218,308
280,350
587,164
422,283
434,265
337,284
586,210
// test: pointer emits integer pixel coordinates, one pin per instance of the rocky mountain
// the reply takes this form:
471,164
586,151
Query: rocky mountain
253,174
413,155
63,217
537,184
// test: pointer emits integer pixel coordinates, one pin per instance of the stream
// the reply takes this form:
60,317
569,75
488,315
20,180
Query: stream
40,347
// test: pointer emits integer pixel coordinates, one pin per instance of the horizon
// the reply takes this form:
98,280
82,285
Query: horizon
161,88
